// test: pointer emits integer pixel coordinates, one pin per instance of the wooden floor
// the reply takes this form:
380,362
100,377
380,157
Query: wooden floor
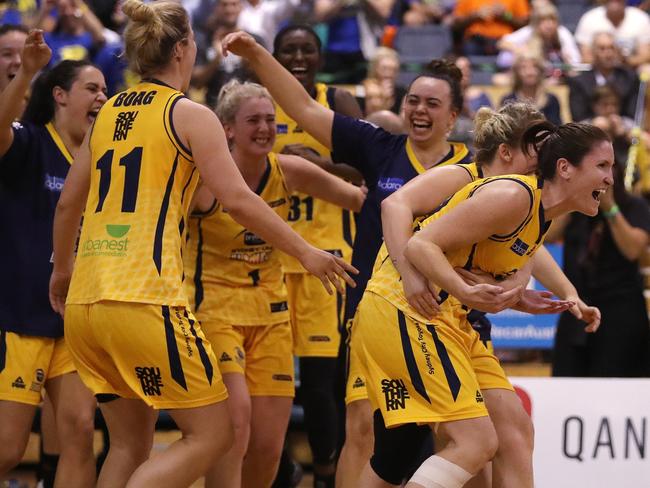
25,478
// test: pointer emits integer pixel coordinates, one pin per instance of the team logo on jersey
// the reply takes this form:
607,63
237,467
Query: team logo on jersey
150,380
225,358
395,394
390,184
54,183
281,128
358,383
123,124
18,383
424,348
519,247
479,397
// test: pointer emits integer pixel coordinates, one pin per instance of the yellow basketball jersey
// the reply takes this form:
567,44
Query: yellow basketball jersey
227,263
501,256
322,224
141,184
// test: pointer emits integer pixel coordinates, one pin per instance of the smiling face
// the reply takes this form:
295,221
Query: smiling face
427,110
253,128
81,103
589,181
11,48
298,53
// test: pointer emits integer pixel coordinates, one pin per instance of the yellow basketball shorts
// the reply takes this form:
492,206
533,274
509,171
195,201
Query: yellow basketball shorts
262,353
155,353
355,388
315,316
423,373
27,362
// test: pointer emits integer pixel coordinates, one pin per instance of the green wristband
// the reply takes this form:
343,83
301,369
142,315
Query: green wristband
612,212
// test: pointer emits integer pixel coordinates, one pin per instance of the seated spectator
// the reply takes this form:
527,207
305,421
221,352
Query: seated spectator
629,25
528,86
543,37
212,70
606,69
387,120
376,98
473,99
77,33
422,12
484,22
354,28
384,68
16,12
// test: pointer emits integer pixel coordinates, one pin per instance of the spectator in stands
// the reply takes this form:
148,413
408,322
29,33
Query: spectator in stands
422,12
384,68
375,98
77,35
354,27
473,99
528,86
12,40
600,259
18,12
606,69
263,18
212,69
629,25
543,37
484,22
605,104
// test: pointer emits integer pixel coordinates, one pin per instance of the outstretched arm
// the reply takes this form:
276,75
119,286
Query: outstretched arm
306,177
285,89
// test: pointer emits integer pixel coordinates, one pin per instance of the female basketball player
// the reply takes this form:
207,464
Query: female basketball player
237,281
315,316
35,156
386,162
135,341
442,369
497,141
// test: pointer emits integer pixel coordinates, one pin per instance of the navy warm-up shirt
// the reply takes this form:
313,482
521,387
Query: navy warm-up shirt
32,173
386,162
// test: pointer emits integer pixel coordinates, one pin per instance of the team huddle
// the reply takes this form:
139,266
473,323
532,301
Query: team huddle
216,245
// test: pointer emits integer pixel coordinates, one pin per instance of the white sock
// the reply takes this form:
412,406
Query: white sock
437,472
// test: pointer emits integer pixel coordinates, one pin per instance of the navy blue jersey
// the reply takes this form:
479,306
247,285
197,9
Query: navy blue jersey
386,162
32,173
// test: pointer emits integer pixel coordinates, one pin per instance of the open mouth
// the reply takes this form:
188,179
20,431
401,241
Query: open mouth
262,140
420,124
92,115
597,194
298,71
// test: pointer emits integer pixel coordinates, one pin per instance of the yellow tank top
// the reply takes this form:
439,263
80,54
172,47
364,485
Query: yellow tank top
322,224
141,184
501,256
228,263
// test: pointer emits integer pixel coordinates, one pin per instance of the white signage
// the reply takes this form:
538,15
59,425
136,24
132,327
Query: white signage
589,433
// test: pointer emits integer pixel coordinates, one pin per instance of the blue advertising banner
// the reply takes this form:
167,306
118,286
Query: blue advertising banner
512,329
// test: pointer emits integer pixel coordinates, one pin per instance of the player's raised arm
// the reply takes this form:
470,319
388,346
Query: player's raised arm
284,87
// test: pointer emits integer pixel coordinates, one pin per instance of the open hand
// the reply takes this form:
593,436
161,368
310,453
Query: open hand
541,302
329,269
36,54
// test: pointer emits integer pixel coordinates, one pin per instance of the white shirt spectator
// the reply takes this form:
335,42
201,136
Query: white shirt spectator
520,38
264,18
633,30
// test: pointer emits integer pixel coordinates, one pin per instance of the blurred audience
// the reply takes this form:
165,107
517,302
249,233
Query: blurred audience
528,86
353,30
12,40
544,37
606,69
422,12
263,18
484,22
473,99
629,25
383,69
